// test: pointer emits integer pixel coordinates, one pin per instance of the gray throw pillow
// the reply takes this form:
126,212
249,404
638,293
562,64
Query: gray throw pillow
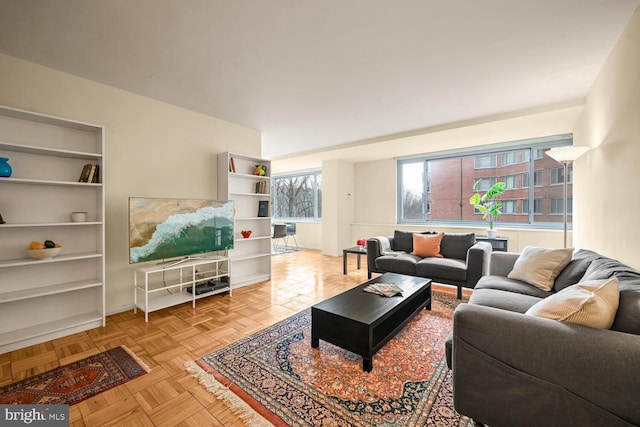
456,245
403,241
575,270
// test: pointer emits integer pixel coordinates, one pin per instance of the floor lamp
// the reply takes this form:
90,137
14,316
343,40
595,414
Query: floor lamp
565,156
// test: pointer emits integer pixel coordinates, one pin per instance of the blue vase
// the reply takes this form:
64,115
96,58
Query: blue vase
5,168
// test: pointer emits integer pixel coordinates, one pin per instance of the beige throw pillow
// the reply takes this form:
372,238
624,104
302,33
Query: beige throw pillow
539,267
593,303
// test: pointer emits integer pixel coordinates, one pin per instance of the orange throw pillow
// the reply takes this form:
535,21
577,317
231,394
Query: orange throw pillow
426,245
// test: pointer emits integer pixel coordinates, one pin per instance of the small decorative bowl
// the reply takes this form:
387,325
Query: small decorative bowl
246,233
43,253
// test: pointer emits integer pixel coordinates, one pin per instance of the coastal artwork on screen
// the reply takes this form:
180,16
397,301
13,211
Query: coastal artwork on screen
165,229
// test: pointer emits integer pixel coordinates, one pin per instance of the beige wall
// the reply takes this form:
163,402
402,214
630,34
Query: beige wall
337,206
606,217
152,149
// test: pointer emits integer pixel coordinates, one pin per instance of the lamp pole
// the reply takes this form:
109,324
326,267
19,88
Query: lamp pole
565,206
564,156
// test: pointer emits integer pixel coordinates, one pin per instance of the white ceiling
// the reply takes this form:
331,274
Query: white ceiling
312,74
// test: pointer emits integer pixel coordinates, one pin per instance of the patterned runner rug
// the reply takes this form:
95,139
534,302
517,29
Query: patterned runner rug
274,377
77,381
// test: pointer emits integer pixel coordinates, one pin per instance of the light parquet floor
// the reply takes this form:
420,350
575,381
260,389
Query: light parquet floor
168,395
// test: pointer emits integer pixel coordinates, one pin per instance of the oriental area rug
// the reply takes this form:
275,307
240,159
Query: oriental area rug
274,377
77,381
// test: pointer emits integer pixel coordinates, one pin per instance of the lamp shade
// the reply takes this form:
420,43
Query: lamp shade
566,154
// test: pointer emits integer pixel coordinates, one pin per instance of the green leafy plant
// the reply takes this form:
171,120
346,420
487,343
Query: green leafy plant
487,203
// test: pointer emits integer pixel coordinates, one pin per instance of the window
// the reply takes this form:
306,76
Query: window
556,206
484,162
509,206
511,181
413,197
297,196
483,184
538,153
556,175
537,206
537,178
509,158
437,187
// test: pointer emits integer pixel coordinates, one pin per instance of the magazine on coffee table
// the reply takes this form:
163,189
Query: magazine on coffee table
384,289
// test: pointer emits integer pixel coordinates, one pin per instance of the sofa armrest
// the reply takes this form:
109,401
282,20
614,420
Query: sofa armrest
478,257
502,263
375,248
525,365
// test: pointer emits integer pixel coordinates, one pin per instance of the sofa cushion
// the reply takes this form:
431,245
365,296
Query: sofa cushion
575,270
604,268
456,245
540,266
503,300
510,285
628,318
442,268
592,303
401,263
403,241
427,245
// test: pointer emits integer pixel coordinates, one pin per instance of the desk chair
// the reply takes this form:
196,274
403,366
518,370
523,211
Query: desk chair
291,232
279,232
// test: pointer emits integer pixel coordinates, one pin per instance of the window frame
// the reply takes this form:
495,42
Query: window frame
535,147
317,188
513,203
494,161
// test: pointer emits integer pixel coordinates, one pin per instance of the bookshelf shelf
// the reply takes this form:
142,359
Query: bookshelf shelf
250,258
41,300
21,148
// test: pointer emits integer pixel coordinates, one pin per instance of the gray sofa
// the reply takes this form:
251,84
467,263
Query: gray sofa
512,369
464,261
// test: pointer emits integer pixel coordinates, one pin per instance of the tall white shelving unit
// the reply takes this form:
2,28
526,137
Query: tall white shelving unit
46,299
250,257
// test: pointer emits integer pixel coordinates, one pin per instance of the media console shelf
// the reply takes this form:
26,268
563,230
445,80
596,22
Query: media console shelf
161,286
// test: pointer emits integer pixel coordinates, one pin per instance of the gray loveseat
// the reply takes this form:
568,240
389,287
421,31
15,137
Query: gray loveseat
512,369
464,261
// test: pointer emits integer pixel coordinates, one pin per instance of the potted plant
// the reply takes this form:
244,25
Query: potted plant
488,204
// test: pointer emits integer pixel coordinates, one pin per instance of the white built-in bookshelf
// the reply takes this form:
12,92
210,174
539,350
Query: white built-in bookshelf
41,300
250,257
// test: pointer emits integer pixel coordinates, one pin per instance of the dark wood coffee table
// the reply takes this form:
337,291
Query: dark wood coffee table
362,322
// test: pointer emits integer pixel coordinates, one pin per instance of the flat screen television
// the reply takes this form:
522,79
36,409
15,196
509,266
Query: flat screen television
166,229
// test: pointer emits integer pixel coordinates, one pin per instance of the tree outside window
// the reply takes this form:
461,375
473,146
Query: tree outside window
297,196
